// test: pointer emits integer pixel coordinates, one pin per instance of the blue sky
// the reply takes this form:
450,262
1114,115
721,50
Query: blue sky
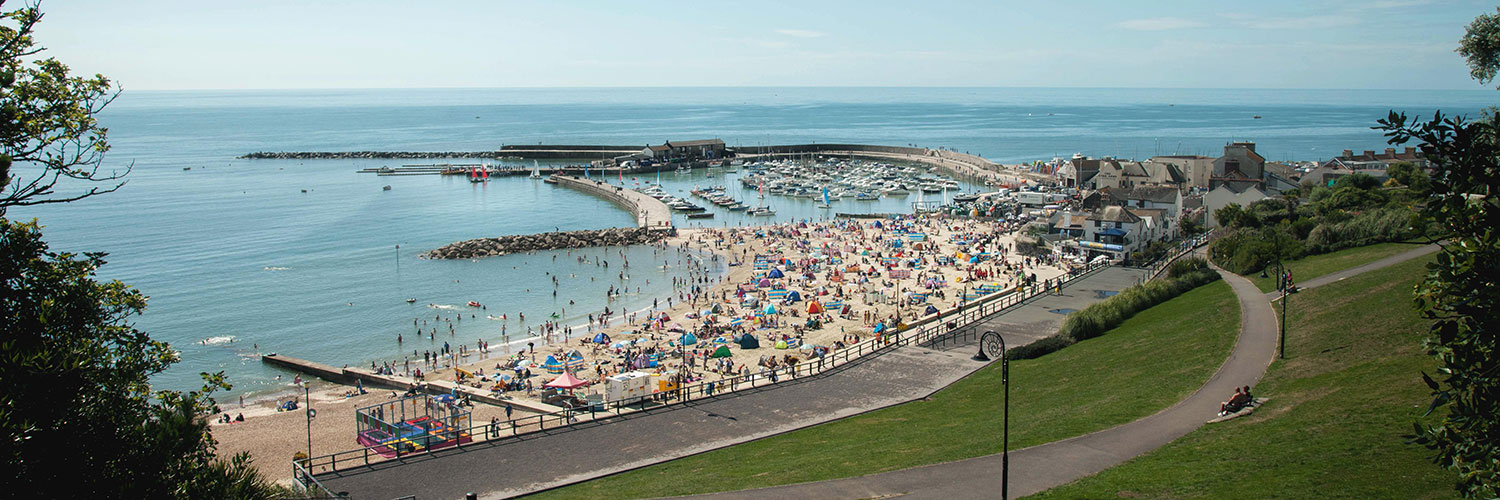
170,44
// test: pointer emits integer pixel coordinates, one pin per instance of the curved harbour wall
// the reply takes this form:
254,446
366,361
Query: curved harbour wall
650,213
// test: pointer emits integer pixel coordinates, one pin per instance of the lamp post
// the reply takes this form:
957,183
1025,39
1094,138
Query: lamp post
990,339
307,395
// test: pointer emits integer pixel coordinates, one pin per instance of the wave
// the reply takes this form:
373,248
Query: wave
275,268
445,307
219,340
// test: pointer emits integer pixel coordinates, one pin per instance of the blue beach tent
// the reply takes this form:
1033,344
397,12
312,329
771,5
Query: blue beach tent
688,339
601,338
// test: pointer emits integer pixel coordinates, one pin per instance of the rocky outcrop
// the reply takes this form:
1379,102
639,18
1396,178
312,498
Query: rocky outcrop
490,247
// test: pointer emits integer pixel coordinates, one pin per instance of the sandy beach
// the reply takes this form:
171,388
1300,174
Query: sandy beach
850,275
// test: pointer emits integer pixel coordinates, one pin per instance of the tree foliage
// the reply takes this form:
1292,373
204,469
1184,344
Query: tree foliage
49,132
77,414
1461,294
1480,47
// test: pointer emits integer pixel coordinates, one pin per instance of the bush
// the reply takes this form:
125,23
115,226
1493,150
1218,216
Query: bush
1100,317
1043,347
1368,228
1183,267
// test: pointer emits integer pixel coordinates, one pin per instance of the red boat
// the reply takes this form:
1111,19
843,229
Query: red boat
474,304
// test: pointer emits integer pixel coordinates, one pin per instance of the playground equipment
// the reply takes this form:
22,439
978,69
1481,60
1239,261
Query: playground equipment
412,425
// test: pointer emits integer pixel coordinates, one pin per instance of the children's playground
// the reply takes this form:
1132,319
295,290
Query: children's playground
412,424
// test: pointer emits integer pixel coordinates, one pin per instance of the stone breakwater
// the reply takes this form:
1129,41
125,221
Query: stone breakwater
362,155
490,247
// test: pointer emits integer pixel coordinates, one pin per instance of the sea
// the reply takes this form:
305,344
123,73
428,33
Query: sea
309,258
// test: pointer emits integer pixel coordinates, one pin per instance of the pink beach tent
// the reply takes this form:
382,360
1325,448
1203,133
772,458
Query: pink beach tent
566,381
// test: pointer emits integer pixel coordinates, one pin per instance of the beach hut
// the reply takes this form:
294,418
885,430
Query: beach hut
552,365
814,307
688,339
601,338
770,309
721,352
748,341
566,381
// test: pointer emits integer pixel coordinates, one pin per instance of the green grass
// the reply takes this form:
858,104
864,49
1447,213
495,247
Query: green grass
1349,389
1150,362
1314,266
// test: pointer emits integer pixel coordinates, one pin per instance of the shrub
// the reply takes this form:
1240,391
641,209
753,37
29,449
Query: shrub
1374,226
1043,347
1100,317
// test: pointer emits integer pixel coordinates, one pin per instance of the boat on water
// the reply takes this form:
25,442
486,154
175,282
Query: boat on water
475,304
410,300
536,170
386,188
964,198
704,215
760,211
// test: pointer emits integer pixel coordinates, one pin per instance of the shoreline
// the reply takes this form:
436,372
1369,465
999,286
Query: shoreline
795,241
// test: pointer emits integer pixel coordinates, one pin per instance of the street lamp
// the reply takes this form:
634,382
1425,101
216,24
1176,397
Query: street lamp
307,395
995,344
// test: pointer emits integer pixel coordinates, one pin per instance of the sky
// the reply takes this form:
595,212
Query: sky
303,44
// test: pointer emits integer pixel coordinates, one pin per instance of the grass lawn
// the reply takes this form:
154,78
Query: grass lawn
1150,362
1349,389
1314,266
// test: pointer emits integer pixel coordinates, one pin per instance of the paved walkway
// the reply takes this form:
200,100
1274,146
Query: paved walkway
1046,466
1338,276
583,452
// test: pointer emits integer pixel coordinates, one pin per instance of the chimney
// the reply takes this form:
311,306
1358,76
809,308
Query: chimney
1411,150
1390,152
1348,153
1369,153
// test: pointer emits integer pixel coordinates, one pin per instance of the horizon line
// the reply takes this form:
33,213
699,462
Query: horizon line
122,88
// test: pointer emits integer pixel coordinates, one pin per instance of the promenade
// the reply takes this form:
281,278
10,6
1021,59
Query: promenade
588,451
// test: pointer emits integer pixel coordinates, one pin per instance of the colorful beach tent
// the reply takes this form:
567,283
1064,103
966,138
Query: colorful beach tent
814,307
775,273
764,283
931,309
575,360
748,341
879,327
566,381
794,296
688,339
552,365
780,344
721,352
770,309
601,338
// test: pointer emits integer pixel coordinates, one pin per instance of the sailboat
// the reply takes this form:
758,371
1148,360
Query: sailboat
474,175
825,203
536,170
761,209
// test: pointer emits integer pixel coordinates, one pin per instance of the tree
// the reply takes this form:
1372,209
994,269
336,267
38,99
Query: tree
48,129
1480,47
1407,174
1460,294
78,417
77,414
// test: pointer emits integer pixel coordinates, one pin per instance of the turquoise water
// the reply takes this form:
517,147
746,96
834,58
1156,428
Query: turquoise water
235,249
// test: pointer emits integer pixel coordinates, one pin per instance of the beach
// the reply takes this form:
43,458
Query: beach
850,278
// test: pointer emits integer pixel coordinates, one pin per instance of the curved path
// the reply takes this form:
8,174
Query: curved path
1044,466
1360,269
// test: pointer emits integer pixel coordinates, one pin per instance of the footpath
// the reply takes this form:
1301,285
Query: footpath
591,450
1042,467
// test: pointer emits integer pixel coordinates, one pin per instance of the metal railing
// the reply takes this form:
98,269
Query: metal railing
933,328
1184,247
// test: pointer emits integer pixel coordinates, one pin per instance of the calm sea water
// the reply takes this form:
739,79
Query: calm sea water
233,249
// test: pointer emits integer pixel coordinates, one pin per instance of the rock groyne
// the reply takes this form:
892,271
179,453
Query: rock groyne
490,247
